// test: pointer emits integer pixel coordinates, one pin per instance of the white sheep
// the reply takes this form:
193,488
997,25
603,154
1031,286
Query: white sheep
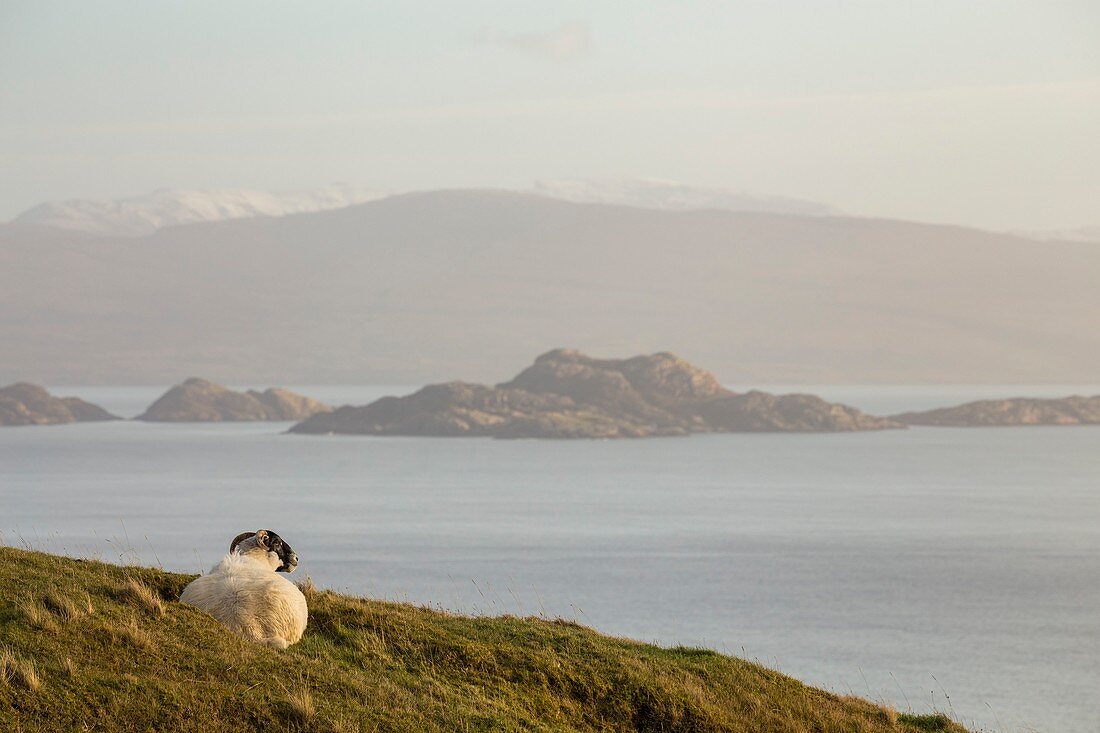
244,592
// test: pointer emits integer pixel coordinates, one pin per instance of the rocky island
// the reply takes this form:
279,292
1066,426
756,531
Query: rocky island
198,400
1073,410
29,404
566,394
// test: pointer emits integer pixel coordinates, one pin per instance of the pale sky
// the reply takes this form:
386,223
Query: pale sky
978,113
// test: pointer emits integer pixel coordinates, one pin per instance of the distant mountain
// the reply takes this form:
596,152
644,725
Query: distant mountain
171,207
652,193
418,288
146,214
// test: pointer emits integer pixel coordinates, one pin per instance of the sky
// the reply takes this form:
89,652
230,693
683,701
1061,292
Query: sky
978,113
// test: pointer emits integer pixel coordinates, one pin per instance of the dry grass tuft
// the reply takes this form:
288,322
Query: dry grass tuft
142,596
62,606
68,667
37,615
309,590
300,706
135,636
371,644
18,671
129,634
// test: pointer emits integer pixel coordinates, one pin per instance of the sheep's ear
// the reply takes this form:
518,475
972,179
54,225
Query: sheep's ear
239,539
263,537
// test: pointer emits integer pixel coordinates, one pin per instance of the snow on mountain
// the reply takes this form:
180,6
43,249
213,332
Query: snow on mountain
652,193
168,207
142,215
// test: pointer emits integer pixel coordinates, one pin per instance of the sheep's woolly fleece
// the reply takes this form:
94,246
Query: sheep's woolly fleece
246,594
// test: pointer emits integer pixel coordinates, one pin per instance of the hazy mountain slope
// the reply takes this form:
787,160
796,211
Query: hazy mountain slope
1081,234
653,193
171,207
467,284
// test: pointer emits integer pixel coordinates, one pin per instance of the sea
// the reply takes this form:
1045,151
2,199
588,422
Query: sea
932,569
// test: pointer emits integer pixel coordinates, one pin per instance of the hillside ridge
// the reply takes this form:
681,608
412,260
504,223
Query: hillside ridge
88,645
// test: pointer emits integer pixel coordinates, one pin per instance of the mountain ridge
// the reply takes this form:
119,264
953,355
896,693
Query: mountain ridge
422,286
146,213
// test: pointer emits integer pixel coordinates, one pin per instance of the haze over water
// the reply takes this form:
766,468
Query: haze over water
906,565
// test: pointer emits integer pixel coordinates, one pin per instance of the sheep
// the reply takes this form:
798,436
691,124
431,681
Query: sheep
244,592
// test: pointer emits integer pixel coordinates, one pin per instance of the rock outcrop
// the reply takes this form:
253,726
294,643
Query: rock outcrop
1017,411
566,394
29,404
198,400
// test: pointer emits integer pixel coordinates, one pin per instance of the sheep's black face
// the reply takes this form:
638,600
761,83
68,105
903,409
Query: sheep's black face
280,554
275,543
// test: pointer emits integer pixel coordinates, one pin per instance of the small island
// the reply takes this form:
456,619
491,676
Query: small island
1074,410
198,400
566,394
29,404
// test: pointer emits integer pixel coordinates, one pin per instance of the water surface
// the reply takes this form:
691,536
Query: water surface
908,566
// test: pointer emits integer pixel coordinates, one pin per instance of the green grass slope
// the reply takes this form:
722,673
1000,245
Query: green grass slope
97,647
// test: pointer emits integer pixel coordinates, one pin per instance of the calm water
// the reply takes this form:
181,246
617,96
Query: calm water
906,566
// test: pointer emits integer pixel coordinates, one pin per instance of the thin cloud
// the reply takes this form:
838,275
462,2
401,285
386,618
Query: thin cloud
568,41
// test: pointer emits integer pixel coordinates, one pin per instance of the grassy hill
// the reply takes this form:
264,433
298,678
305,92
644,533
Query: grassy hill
90,646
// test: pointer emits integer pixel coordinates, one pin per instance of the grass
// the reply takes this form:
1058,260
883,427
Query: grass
14,670
300,707
88,649
37,615
142,597
64,607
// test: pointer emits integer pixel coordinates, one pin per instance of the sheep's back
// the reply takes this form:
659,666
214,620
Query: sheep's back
260,605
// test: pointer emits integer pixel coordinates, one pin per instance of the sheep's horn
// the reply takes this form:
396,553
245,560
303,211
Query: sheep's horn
239,539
